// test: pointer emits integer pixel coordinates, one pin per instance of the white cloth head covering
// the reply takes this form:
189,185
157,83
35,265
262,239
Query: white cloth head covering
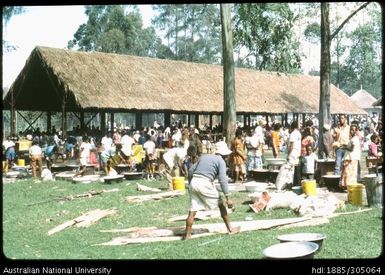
326,126
222,149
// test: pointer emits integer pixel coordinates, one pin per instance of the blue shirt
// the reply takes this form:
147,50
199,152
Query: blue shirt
211,166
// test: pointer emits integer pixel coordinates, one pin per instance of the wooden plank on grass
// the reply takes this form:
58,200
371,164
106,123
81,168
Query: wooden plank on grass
311,222
144,188
162,234
250,225
127,240
94,217
84,220
61,227
201,215
159,196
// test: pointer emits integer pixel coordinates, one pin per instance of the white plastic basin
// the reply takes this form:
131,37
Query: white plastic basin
253,186
291,250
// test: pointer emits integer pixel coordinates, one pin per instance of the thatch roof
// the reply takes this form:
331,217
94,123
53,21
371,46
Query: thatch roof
93,80
378,102
363,99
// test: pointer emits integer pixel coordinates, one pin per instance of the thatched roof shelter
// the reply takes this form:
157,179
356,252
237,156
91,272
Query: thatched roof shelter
363,99
97,81
378,102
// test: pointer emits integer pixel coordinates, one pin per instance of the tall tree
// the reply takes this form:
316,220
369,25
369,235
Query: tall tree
111,29
191,30
326,37
363,64
229,112
265,31
8,12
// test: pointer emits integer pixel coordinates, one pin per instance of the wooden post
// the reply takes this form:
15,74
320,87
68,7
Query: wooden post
167,120
13,114
303,119
82,128
138,120
112,122
221,119
196,121
211,121
64,116
49,122
188,120
103,122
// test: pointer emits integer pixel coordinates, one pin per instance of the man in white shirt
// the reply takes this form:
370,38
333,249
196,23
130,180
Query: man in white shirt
294,150
35,154
174,163
127,142
10,153
107,142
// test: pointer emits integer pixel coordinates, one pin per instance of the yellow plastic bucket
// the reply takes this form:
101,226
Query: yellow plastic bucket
355,192
309,187
21,162
178,183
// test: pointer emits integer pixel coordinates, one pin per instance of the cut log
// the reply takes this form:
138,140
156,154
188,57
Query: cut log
159,196
144,188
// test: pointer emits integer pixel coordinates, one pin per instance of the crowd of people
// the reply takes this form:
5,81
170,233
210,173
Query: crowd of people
300,145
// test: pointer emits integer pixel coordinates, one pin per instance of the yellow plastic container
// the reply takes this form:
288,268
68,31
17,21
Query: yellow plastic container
355,192
21,162
178,183
309,187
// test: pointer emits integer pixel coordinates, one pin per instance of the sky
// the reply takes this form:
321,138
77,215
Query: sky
54,26
51,26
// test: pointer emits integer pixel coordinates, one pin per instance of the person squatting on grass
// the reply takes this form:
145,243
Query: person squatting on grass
202,190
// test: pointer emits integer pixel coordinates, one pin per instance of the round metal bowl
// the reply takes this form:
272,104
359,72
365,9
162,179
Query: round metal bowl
297,189
109,179
86,179
303,237
291,250
68,175
332,182
12,174
276,161
132,175
230,187
253,186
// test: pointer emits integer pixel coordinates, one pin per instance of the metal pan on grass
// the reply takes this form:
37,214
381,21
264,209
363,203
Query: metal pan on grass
291,251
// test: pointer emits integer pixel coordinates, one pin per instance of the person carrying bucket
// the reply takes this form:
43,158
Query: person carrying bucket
202,190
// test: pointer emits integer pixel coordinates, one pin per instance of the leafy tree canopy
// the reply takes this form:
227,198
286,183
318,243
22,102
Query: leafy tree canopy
265,30
111,29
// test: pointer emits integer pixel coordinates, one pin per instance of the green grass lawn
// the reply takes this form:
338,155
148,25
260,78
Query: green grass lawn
25,226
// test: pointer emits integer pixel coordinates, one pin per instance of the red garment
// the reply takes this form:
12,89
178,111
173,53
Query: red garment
93,159
309,140
261,203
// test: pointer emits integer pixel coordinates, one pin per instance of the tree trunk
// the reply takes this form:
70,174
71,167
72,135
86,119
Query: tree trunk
324,101
176,32
229,112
